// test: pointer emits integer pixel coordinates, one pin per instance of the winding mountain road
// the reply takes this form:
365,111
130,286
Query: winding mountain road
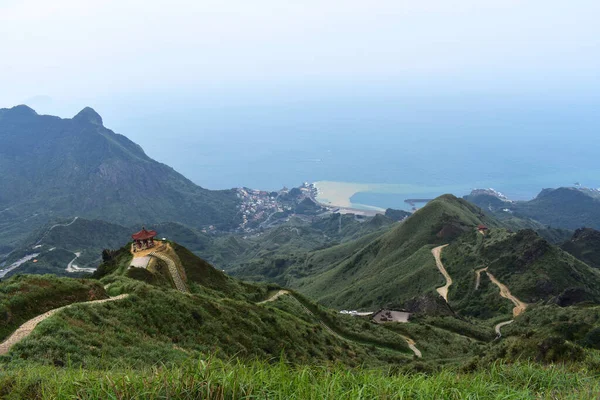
437,253
55,226
504,292
25,330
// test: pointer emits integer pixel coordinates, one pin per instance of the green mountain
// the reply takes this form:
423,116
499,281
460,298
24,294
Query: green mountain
141,335
53,168
585,246
397,265
217,314
272,255
79,242
396,268
565,207
57,245
534,270
569,208
382,268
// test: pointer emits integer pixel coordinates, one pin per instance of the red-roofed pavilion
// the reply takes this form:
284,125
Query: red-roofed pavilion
143,239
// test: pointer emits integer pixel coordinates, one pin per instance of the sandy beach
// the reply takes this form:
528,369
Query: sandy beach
339,194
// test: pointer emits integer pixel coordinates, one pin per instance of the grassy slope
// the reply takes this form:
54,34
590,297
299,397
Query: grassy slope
215,379
159,326
163,326
532,269
397,265
569,208
282,254
220,315
23,297
585,246
78,167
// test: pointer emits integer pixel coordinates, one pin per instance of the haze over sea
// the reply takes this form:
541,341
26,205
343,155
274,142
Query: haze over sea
431,143
424,141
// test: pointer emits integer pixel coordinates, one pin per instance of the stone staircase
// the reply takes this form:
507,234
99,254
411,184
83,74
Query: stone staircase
179,284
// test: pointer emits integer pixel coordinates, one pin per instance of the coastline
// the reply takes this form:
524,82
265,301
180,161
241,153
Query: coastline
339,194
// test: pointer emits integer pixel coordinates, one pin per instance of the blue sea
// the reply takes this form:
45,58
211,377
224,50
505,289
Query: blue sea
437,144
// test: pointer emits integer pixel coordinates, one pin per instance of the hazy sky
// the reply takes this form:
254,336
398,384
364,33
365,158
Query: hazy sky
191,69
74,49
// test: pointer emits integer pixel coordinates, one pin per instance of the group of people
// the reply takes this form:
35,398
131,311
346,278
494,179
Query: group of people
140,245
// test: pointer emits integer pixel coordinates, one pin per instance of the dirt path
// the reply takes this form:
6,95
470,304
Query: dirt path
25,330
274,297
411,343
504,292
437,253
478,273
500,325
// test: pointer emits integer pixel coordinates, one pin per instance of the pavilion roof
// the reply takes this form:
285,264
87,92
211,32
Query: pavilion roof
143,234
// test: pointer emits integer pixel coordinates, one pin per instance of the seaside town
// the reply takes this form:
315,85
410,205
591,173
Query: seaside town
260,207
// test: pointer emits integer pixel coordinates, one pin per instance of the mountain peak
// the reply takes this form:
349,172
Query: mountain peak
22,110
88,114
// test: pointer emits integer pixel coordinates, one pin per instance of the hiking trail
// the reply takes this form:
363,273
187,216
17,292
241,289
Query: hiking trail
437,253
25,330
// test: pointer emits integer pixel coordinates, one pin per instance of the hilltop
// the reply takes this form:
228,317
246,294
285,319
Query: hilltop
386,267
210,313
564,207
53,168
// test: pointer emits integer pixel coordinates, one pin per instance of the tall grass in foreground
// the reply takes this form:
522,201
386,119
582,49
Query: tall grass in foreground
215,379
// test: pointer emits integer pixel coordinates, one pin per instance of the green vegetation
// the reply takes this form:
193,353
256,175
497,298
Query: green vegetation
533,269
550,333
282,254
212,378
154,343
585,246
60,168
565,207
387,268
219,315
23,297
